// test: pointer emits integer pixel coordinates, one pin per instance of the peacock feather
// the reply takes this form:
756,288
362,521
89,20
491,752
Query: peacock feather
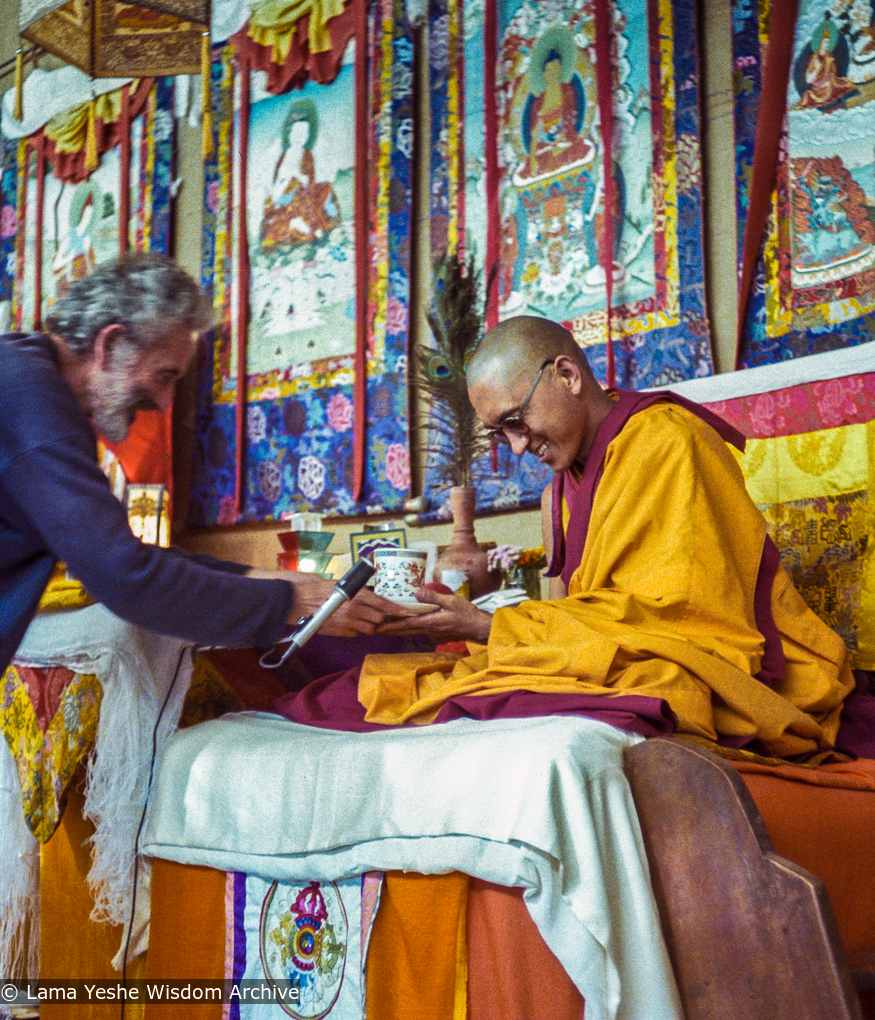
452,437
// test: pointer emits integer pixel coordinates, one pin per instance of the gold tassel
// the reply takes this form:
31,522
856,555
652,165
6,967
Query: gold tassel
18,111
91,137
206,97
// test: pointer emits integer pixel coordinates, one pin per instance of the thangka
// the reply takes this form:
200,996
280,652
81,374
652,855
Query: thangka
297,949
517,179
814,287
66,226
323,321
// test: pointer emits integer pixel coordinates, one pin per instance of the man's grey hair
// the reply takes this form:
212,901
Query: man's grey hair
146,293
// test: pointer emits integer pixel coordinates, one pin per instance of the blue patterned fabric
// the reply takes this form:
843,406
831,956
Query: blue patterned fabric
299,432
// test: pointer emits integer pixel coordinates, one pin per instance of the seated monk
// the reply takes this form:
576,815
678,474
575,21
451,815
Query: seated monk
666,589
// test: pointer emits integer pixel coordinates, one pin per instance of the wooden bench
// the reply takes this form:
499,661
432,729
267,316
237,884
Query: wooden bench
749,934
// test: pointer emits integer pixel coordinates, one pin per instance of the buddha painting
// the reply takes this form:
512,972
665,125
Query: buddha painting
299,210
821,67
554,118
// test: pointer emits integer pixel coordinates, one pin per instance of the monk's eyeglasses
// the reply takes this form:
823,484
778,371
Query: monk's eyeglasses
513,424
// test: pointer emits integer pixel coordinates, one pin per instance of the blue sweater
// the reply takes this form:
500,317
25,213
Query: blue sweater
56,504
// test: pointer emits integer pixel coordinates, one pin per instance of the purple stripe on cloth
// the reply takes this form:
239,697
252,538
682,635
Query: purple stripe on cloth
323,655
557,560
332,703
634,713
239,965
774,664
857,725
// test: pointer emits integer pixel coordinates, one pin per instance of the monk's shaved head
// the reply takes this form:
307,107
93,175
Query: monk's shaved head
532,387
519,346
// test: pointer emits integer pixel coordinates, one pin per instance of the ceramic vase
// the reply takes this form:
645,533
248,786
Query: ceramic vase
463,552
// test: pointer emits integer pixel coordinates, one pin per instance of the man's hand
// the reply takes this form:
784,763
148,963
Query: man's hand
362,614
457,619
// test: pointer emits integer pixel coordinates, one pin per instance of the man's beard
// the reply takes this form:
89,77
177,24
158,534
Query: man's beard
114,404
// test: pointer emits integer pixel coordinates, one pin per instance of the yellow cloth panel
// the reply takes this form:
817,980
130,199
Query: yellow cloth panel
812,464
46,762
417,955
662,604
67,129
273,23
187,919
814,490
63,592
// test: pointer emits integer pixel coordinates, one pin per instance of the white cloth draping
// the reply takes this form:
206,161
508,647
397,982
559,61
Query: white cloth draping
747,382
137,670
48,93
19,879
538,803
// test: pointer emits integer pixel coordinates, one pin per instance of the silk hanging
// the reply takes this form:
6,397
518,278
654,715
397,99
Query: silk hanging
814,283
66,227
8,226
327,307
517,179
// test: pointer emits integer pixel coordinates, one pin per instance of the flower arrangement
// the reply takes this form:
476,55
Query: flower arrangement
518,566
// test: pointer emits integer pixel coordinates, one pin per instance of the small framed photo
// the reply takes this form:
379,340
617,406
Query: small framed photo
365,543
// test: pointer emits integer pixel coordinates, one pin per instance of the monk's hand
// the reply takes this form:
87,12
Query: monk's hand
362,614
456,619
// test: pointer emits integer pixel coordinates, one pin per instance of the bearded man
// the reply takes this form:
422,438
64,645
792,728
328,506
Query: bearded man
117,342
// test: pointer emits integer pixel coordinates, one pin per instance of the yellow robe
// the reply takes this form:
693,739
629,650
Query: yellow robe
661,604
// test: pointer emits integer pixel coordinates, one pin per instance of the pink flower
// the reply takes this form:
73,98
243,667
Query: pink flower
836,402
339,413
398,466
7,221
763,411
213,196
380,251
396,316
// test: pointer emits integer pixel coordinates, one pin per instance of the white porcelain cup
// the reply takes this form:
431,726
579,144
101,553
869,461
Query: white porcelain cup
400,573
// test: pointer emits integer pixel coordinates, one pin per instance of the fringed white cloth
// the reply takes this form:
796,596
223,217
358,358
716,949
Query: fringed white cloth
138,670
19,879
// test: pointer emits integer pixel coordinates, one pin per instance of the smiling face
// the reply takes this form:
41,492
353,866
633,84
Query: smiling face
555,415
558,429
128,379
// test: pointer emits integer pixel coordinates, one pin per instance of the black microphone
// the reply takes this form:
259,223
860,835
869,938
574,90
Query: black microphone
352,582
